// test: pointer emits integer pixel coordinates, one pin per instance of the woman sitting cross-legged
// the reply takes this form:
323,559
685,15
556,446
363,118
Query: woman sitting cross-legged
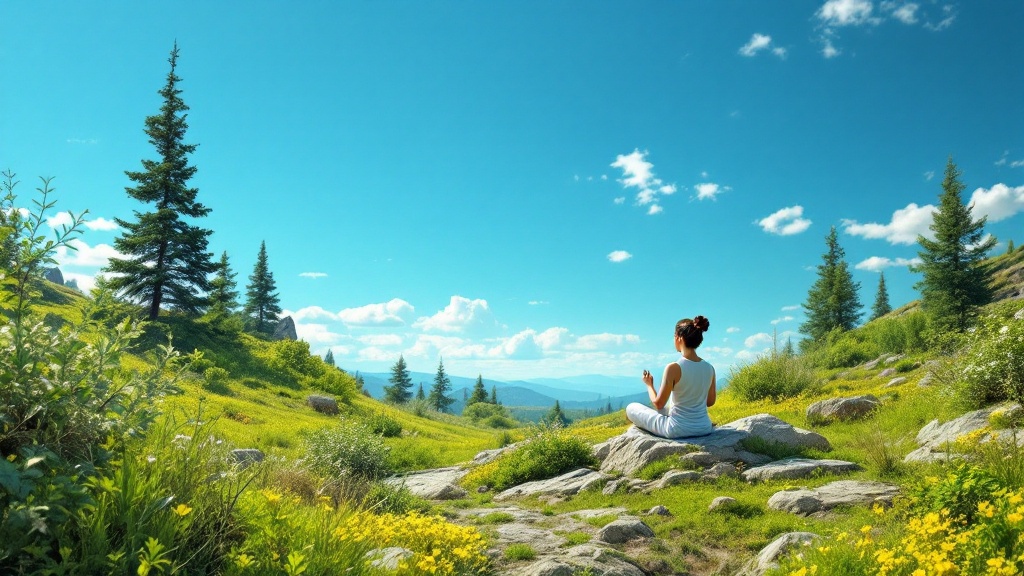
691,384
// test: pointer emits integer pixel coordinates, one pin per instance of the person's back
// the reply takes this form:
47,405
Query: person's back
689,399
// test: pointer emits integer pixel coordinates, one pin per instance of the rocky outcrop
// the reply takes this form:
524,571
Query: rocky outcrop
842,409
285,329
768,557
935,440
322,404
623,530
437,484
54,275
246,456
841,493
793,468
895,382
388,558
565,485
722,503
592,558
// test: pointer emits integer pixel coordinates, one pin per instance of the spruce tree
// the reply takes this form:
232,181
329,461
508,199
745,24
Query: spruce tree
166,262
223,293
494,395
419,393
262,304
832,301
955,283
1009,247
438,397
788,350
399,391
329,358
479,392
881,306
555,417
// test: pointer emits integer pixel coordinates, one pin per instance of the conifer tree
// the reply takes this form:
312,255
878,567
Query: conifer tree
262,303
555,417
329,358
954,283
419,393
223,293
479,392
166,262
832,301
399,392
494,395
438,397
788,350
608,407
1009,247
881,306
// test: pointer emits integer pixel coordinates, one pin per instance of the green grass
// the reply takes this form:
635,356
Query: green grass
496,518
574,538
517,552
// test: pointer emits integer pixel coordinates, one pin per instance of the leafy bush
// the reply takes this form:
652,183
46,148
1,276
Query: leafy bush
904,334
550,452
773,376
493,415
517,552
349,449
384,425
990,367
500,422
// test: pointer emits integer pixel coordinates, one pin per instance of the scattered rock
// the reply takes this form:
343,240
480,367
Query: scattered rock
565,485
700,459
483,489
792,468
322,404
935,439
926,380
673,477
659,510
246,456
612,486
896,381
623,530
54,275
722,503
768,558
488,455
540,540
285,329
1019,315
873,364
893,359
437,484
592,558
772,429
843,492
388,558
721,469
887,373
842,409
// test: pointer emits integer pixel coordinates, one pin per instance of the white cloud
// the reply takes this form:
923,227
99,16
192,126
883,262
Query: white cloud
791,307
65,219
313,275
78,253
379,340
637,171
85,282
879,263
101,224
59,219
86,141
316,333
460,315
997,203
746,355
538,302
311,313
905,12
929,175
620,200
668,189
785,222
732,330
551,338
709,190
904,228
946,22
1002,159
522,346
846,13
392,313
717,350
619,256
759,339
655,209
603,341
828,50
757,43
779,51
783,319
1017,164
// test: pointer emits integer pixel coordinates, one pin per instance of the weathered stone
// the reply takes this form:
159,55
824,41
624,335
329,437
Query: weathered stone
659,510
926,380
322,404
792,468
893,359
596,482
896,381
1019,315
887,373
285,329
674,477
565,485
585,558
768,558
722,503
54,275
388,558
936,439
700,459
246,456
839,493
540,540
483,489
488,455
548,567
772,429
873,364
842,409
437,484
721,469
623,530
612,486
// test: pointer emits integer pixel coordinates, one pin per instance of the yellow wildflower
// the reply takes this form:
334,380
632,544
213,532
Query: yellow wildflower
181,510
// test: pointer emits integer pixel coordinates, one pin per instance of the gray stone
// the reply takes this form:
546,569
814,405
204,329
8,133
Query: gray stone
700,459
596,513
1019,315
584,558
887,373
612,486
488,455
388,558
926,380
722,503
596,482
54,275
541,541
840,493
896,381
565,485
893,359
721,469
842,409
772,429
792,468
659,510
936,439
768,558
436,484
246,456
674,477
623,530
285,329
873,364
322,404
547,567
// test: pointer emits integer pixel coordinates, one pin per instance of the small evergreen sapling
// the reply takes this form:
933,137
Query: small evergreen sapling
881,306
399,391
438,397
262,304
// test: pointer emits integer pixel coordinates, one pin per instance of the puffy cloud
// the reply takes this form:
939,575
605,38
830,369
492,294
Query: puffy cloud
85,282
311,313
78,253
638,173
761,42
879,263
381,340
904,228
619,256
316,333
313,275
906,13
620,200
732,329
101,224
603,341
759,339
551,338
846,13
460,315
392,313
997,203
828,50
785,222
709,190
522,346
655,209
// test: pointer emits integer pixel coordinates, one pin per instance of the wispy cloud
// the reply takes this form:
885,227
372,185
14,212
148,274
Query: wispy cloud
760,43
879,263
538,302
791,307
313,275
904,227
392,313
785,222
783,319
836,14
929,175
85,141
638,173
619,256
709,190
732,329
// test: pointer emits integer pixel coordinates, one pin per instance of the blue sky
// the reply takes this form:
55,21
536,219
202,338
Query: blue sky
532,189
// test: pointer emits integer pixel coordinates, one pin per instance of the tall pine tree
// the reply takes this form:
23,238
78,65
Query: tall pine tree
555,417
881,306
494,395
223,293
420,395
399,392
329,358
479,392
955,283
262,304
438,397
166,262
832,301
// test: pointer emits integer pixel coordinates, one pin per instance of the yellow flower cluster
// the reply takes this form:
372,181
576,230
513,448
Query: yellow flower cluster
439,547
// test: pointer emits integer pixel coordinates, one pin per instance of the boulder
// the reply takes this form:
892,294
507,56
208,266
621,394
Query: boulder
772,429
722,503
612,486
887,373
700,459
842,409
896,381
322,404
436,484
582,559
674,477
721,469
936,439
926,380
246,456
54,275
1019,315
388,558
659,510
873,363
488,455
565,485
624,530
893,359
540,540
792,468
768,558
285,329
840,493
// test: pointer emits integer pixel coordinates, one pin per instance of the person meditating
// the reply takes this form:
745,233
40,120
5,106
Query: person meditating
691,384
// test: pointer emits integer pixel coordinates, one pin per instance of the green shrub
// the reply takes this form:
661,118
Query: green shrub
774,376
384,498
496,518
990,367
902,334
905,366
550,452
959,492
490,415
500,422
520,552
349,449
384,425
215,379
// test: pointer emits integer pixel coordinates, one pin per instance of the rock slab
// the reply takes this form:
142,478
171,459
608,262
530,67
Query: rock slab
623,530
792,468
842,409
437,484
567,484
935,439
768,557
841,493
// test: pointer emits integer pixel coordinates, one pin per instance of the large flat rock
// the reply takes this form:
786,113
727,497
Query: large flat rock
792,468
935,439
436,484
565,485
840,493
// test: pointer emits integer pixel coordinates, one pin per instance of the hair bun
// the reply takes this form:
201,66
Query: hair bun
701,323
